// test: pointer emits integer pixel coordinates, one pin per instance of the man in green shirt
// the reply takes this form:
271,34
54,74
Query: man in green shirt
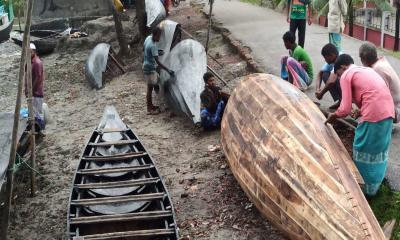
296,68
297,15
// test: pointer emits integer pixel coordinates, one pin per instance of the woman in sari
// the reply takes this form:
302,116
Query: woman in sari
364,87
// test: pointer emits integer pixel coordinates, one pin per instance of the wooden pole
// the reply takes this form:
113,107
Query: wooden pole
209,24
14,141
31,119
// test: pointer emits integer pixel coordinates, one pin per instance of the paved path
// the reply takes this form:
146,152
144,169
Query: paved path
261,29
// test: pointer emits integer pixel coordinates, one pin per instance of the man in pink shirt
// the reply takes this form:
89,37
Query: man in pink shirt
369,58
364,87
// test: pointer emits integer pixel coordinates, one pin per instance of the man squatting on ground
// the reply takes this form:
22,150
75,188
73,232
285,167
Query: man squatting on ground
213,101
37,87
331,80
297,68
369,58
296,16
365,88
149,67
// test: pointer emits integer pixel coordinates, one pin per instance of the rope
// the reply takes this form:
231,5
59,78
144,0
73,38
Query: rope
21,161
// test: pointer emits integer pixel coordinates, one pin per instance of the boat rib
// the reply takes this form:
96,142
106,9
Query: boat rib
117,190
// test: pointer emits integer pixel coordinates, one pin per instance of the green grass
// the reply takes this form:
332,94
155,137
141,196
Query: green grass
386,206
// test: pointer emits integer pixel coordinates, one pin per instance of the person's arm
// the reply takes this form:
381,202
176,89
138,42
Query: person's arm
343,7
162,66
328,85
289,5
318,82
309,14
347,97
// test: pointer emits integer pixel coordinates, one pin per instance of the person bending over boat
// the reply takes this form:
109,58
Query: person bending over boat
149,67
369,58
37,87
373,135
213,101
296,68
332,83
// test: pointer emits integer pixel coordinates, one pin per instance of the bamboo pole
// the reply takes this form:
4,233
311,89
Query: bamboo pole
209,24
31,120
10,171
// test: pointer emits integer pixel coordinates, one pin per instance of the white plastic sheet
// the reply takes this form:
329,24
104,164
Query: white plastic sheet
155,12
168,28
96,64
189,62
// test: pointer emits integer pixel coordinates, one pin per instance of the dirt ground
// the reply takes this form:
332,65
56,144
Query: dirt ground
209,202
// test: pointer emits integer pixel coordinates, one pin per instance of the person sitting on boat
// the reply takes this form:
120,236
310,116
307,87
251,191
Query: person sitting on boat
37,87
331,81
369,92
369,58
150,65
213,100
296,68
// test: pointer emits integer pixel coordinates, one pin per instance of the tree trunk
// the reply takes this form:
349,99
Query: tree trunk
396,34
141,18
351,17
123,44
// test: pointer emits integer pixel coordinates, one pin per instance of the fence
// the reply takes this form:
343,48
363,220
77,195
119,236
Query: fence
373,18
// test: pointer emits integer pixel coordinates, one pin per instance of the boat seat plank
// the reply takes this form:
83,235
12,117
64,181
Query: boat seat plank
119,199
111,130
115,157
113,143
119,184
122,217
139,233
114,170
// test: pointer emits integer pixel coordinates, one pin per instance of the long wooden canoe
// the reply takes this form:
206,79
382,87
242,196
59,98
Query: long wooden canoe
294,168
117,190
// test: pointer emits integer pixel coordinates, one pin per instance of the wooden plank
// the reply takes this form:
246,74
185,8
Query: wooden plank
114,170
292,166
120,199
122,217
119,184
140,233
113,143
111,130
115,157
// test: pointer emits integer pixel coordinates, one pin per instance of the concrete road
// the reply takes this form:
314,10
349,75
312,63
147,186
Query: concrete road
262,29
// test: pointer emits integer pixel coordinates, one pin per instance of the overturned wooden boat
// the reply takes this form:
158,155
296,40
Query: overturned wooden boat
292,166
189,62
118,192
6,20
44,40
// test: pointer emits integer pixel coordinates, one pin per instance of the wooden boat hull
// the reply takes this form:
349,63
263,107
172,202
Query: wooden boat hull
44,40
294,168
118,192
5,31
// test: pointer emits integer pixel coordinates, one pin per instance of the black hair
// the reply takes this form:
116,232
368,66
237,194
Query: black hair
156,31
207,76
343,59
329,49
289,37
